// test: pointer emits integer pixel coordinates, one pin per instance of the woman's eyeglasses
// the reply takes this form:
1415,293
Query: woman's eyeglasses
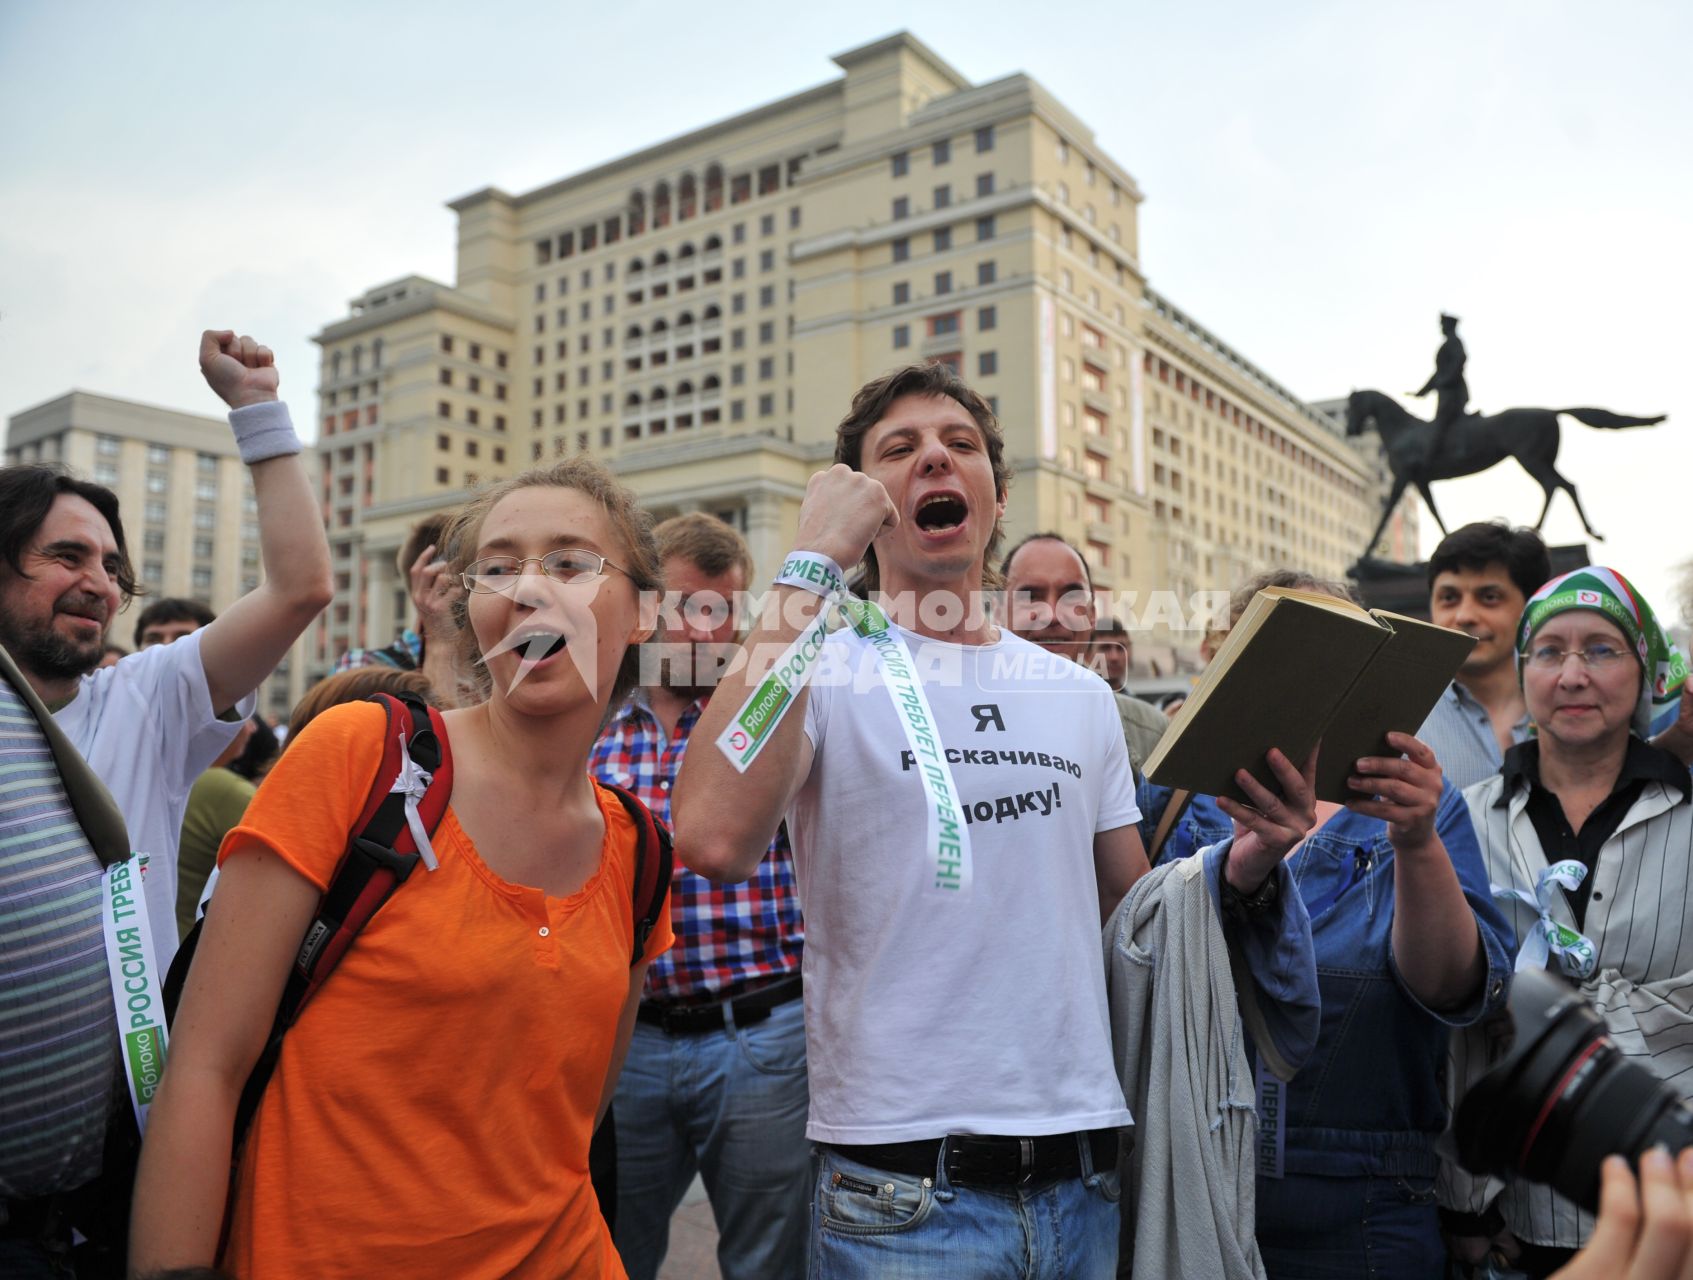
569,565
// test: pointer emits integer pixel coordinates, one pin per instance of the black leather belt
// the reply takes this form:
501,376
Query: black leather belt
990,1160
687,1020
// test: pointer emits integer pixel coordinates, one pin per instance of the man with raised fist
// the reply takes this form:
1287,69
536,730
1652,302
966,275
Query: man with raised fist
153,722
962,815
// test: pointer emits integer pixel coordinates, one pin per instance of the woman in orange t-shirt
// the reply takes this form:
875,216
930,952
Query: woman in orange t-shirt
431,1110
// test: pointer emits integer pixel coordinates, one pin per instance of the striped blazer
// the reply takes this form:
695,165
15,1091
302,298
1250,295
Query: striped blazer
1640,920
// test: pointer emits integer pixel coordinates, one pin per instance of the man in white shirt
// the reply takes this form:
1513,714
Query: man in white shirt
959,833
153,722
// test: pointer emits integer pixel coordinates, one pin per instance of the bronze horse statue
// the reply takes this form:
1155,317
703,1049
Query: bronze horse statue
1474,444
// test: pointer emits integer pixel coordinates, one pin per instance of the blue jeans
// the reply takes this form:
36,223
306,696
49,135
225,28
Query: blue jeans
730,1105
1317,1228
869,1224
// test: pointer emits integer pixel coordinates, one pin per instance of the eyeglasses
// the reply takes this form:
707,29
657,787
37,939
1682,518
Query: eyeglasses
569,565
1595,657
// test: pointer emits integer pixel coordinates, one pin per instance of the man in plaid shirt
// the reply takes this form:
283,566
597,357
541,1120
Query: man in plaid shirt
715,1078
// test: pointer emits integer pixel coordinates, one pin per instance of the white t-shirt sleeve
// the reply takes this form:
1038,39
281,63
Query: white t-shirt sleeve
1117,806
170,679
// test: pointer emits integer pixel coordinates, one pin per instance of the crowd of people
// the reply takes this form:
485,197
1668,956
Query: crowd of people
941,984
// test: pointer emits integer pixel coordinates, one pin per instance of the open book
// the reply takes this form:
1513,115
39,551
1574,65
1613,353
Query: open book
1297,667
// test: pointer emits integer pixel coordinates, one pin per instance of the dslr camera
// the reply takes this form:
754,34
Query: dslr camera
1564,1097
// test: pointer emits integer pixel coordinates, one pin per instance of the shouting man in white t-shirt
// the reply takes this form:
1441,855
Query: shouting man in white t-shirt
962,815
153,722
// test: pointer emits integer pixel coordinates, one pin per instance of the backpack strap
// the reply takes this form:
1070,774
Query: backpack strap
381,853
652,868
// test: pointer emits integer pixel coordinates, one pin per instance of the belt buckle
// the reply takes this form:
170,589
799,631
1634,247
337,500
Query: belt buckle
1025,1161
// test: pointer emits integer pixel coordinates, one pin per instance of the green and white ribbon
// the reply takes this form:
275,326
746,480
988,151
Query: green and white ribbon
947,838
137,982
1576,955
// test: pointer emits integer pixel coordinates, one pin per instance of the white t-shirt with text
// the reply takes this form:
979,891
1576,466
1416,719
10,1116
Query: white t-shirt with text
147,728
927,1012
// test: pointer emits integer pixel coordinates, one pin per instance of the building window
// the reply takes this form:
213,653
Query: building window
901,208
987,318
158,455
766,259
793,218
156,512
943,239
986,272
943,324
767,331
767,225
105,473
985,228
766,405
202,548
109,446
943,197
902,293
901,163
984,184
901,248
447,343
943,282
206,518
766,368
442,475
767,295
445,377
943,151
156,482
984,139
987,362
443,409
443,442
155,540
902,335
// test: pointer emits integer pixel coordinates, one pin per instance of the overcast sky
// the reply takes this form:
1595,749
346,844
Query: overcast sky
1321,180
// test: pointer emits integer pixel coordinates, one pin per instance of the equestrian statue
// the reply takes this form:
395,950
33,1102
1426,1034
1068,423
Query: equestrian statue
1459,444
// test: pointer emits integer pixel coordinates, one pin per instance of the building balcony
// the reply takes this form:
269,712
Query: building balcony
1094,357
1098,401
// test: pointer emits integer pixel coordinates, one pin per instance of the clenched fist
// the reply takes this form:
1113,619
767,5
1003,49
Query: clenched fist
240,370
843,512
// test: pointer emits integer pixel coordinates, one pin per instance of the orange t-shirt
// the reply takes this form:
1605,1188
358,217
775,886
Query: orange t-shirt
431,1111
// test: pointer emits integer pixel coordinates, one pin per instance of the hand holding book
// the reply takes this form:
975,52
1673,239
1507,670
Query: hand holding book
1270,825
1403,791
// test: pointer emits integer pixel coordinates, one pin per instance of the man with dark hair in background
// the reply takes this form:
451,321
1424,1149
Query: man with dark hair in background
715,1079
1479,578
422,562
170,619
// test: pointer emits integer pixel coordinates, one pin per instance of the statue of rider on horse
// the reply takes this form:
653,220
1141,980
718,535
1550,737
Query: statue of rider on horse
1459,444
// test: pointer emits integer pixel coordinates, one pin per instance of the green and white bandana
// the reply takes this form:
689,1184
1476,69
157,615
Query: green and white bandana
1606,592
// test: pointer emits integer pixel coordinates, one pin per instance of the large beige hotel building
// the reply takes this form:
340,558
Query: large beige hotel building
699,313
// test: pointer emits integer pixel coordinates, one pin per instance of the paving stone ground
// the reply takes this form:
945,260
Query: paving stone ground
693,1240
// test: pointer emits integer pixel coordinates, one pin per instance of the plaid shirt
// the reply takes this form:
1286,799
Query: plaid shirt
726,934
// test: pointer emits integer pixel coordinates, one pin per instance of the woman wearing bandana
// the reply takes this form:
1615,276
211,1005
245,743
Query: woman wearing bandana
1587,830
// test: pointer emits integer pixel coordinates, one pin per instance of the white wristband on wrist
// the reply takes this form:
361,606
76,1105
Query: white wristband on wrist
814,572
263,431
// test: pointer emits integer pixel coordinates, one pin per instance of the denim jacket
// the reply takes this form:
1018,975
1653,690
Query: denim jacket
1201,824
1372,1098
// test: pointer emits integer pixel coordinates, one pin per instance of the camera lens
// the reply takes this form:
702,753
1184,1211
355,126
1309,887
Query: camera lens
1564,1097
